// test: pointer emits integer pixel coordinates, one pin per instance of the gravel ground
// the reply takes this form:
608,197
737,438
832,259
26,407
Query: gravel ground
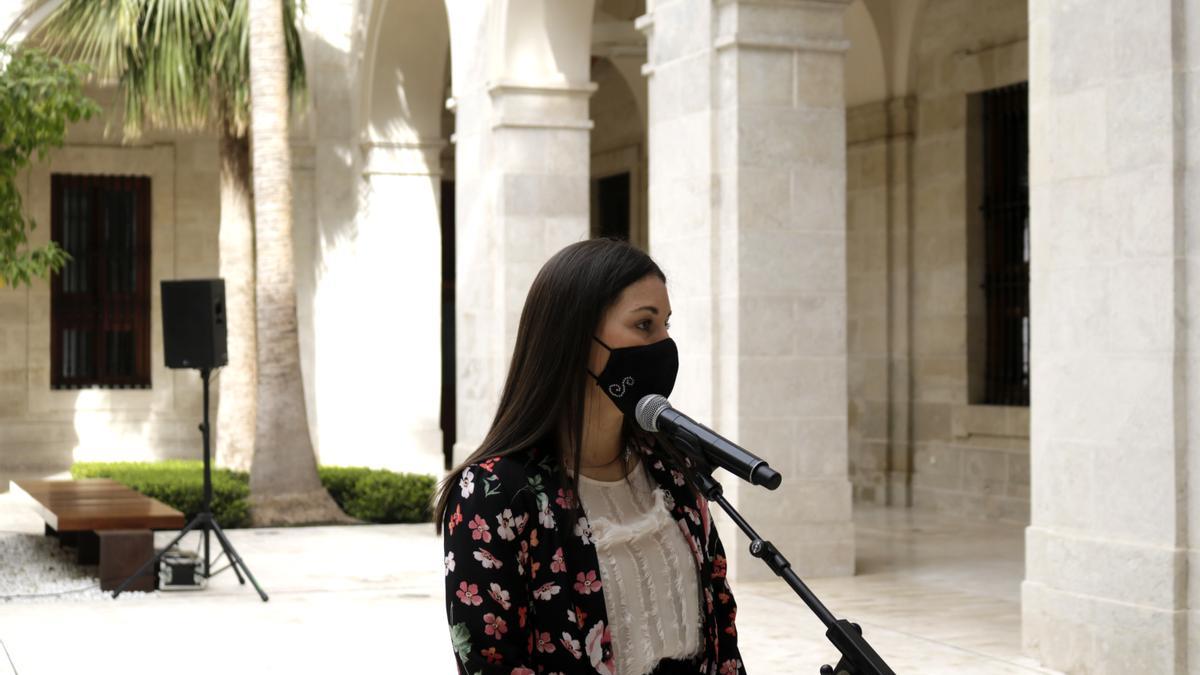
35,568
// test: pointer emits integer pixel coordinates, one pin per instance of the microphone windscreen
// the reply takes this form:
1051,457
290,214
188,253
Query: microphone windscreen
648,410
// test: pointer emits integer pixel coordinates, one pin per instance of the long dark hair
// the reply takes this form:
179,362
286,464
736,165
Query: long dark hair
546,385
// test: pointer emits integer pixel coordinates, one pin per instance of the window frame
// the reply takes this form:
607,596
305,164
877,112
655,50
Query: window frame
101,309
1001,167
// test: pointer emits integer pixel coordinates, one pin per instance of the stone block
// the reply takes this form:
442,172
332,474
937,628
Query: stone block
942,114
867,335
1080,634
1141,300
772,138
819,79
820,326
1140,118
985,473
791,262
941,155
764,199
782,387
1144,508
866,211
937,465
1079,45
1079,124
1145,226
935,500
940,381
817,198
936,336
1079,298
680,29
820,447
873,424
1142,34
1110,570
763,77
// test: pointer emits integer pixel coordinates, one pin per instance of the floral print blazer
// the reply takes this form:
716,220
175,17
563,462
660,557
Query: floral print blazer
524,593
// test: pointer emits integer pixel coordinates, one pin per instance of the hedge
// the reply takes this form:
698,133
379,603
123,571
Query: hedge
371,495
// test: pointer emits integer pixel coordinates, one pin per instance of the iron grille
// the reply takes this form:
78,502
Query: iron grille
100,300
1006,244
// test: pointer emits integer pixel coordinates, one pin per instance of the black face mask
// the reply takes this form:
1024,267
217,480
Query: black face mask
634,372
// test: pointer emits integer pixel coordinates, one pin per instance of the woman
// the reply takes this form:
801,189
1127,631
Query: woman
630,576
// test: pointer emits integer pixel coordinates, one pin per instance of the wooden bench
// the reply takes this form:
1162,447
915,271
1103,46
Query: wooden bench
110,524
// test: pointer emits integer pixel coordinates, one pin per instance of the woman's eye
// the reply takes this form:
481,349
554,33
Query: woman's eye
644,325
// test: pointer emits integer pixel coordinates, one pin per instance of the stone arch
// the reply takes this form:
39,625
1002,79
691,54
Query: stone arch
617,110
544,41
403,75
378,338
866,74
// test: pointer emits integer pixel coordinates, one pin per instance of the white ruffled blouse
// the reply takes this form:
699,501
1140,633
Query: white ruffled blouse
651,589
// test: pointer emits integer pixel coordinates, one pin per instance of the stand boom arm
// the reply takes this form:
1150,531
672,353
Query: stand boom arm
858,658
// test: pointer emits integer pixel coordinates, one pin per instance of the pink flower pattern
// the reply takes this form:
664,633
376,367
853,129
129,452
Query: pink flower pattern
541,609
586,583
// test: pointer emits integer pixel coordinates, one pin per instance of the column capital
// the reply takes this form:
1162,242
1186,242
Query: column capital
419,157
540,105
790,43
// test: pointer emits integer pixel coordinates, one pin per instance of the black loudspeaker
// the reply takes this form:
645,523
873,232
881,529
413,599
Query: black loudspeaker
194,330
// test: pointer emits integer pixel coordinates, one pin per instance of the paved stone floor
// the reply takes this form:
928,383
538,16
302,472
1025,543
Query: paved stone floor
932,596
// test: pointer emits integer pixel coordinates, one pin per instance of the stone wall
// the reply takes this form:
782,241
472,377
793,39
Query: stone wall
44,430
908,309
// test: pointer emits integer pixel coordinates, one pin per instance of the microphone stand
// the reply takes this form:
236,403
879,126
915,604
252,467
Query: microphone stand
858,658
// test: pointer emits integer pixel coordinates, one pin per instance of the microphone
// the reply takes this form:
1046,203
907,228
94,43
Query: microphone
654,413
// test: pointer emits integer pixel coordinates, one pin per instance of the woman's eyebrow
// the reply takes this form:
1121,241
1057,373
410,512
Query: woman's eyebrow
651,308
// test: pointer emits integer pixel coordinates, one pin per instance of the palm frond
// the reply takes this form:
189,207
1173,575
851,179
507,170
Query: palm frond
181,64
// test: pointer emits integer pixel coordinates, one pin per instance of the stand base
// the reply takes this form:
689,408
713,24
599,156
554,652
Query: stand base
205,522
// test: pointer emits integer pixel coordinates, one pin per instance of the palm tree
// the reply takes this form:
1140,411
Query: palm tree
284,486
185,66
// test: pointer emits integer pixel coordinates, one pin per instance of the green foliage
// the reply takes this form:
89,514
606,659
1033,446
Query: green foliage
39,97
371,495
179,65
180,485
378,496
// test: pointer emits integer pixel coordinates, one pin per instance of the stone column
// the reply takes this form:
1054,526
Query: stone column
395,418
521,187
1114,303
747,216
878,230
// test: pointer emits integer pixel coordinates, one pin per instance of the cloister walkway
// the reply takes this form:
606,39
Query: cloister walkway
934,596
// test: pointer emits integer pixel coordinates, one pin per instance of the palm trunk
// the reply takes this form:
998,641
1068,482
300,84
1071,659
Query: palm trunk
236,383
284,486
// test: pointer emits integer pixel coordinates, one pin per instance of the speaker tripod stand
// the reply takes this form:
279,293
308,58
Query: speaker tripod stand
204,521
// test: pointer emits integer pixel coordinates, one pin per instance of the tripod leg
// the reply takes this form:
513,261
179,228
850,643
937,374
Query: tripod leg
236,572
154,561
236,559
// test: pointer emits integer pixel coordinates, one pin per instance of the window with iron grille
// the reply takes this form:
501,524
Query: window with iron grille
100,301
1005,240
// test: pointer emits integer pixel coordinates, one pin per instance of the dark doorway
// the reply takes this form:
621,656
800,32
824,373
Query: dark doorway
612,206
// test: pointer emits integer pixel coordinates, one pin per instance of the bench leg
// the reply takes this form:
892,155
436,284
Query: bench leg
88,547
122,552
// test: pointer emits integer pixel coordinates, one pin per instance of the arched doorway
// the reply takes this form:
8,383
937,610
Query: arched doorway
618,188
378,398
